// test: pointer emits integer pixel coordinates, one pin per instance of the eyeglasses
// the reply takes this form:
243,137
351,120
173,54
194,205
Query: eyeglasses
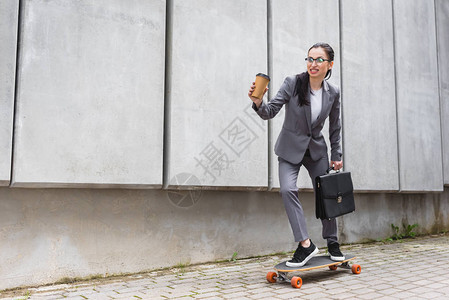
318,60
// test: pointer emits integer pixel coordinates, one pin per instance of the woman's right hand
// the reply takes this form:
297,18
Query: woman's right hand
256,101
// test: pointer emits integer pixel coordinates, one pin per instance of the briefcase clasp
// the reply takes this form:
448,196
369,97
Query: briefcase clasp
339,199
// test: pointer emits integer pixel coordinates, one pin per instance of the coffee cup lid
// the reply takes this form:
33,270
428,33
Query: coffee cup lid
263,75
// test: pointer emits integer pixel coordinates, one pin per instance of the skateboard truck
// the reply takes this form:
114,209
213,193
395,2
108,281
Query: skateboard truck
282,276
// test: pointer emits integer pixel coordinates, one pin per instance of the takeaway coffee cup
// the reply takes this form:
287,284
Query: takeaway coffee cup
262,81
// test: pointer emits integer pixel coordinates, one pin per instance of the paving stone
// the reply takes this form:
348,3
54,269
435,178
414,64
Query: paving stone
346,295
290,295
234,290
363,291
154,298
202,290
134,295
317,294
388,292
206,295
433,295
238,295
126,290
263,296
97,297
403,295
369,295
140,282
49,297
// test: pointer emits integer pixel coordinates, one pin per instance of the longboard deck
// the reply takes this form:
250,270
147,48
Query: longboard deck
315,262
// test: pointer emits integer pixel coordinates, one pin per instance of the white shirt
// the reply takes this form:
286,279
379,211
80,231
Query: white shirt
316,103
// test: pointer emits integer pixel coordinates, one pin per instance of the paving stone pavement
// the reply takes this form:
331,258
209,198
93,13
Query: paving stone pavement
405,269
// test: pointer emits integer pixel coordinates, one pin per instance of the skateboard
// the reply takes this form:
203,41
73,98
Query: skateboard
315,262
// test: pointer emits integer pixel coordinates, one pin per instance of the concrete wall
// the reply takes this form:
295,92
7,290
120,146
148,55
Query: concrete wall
8,46
90,94
151,96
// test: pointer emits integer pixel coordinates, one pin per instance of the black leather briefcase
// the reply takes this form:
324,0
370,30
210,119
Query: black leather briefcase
334,195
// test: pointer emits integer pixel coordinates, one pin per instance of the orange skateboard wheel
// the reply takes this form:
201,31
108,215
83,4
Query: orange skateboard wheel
271,277
333,267
356,269
296,282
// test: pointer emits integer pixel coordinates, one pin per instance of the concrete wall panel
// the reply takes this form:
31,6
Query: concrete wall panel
442,19
294,30
420,157
368,88
215,138
90,98
8,37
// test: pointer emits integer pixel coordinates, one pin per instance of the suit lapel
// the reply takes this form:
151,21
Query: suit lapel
308,112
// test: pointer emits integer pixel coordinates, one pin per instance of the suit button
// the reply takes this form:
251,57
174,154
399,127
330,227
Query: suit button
308,134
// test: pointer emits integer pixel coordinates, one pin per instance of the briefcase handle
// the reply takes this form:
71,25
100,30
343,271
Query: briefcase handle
330,169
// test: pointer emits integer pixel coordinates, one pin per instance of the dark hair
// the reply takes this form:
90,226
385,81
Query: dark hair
302,88
330,53
302,80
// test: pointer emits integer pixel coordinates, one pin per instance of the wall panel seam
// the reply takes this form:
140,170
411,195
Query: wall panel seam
16,86
396,97
167,96
270,73
340,32
440,97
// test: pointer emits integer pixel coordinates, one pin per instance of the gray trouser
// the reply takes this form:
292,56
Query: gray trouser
288,176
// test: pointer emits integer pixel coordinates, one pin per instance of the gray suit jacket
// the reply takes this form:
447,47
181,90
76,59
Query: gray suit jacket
299,132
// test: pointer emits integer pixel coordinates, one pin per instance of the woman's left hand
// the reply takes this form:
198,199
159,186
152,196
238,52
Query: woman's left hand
337,164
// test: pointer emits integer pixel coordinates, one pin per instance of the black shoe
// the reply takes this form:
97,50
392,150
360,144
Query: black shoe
334,252
302,255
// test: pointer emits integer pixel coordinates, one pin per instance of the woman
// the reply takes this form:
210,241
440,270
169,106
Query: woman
309,99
